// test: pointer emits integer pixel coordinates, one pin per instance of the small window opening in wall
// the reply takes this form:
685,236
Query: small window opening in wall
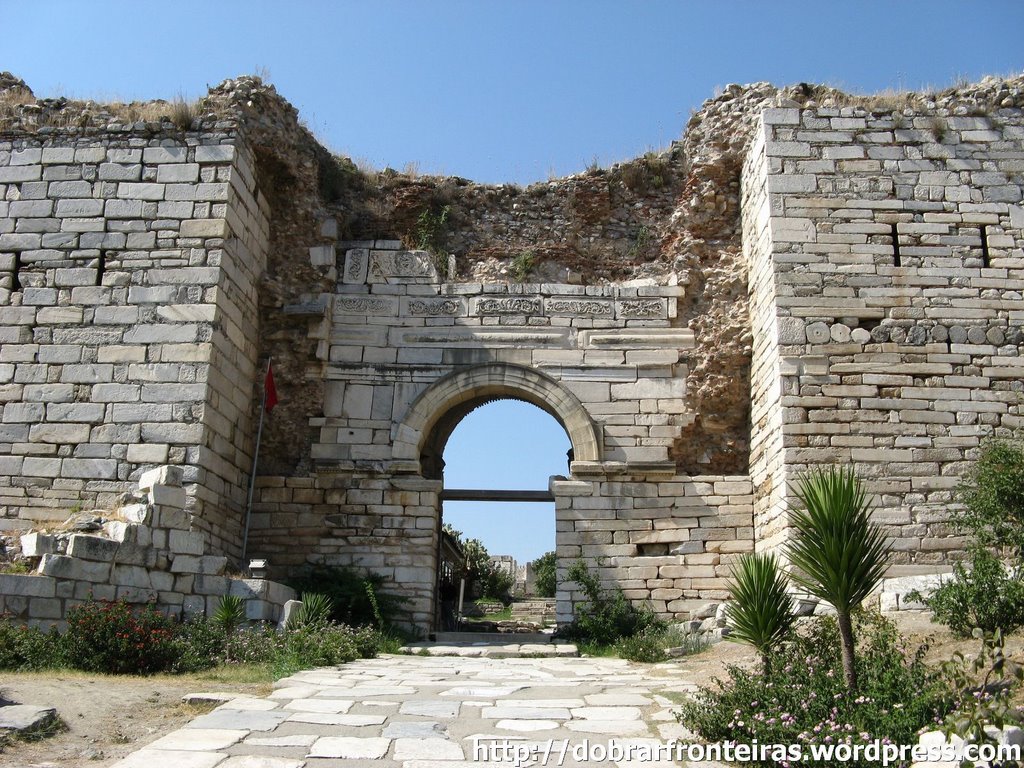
101,267
16,273
655,549
896,260
984,247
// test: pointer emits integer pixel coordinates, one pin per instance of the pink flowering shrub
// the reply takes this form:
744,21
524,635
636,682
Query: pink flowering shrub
803,698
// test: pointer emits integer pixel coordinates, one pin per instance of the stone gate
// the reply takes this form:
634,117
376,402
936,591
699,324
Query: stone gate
807,279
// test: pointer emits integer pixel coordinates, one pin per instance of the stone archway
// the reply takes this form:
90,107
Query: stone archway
432,416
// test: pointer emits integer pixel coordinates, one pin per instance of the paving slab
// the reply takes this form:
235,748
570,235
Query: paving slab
403,711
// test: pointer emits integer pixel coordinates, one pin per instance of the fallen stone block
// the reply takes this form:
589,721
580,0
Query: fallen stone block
176,519
95,548
187,542
26,719
136,513
168,496
166,475
64,567
211,565
38,544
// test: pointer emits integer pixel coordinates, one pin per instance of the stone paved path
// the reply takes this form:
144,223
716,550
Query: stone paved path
433,712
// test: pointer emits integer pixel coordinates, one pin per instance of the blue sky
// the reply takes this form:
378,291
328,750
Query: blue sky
513,91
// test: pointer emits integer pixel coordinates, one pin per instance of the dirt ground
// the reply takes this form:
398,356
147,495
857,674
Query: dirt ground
107,717
110,717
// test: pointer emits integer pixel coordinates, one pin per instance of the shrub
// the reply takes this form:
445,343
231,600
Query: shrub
199,644
350,593
838,554
986,596
111,637
314,611
803,699
993,497
652,644
761,612
24,649
230,613
606,615
544,569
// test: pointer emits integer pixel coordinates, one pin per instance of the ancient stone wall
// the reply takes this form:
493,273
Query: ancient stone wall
806,278
894,289
129,261
667,542
143,552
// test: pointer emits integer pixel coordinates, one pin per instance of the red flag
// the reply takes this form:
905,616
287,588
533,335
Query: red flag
269,390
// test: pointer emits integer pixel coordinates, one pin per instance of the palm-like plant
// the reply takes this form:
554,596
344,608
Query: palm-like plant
838,554
761,612
230,613
315,610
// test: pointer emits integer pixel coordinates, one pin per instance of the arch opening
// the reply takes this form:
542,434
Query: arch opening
435,413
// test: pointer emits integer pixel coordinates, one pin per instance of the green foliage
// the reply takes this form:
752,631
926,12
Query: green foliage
200,644
544,570
484,578
349,591
336,175
984,686
760,612
803,699
606,616
522,265
431,229
985,596
230,613
838,554
315,611
993,497
651,644
988,595
113,638
24,649
641,242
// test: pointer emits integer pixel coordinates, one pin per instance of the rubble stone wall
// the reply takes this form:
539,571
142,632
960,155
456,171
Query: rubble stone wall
129,263
894,290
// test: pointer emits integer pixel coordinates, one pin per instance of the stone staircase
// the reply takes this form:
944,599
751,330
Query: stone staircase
539,610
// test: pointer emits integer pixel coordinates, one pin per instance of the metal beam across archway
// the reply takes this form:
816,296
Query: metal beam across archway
473,494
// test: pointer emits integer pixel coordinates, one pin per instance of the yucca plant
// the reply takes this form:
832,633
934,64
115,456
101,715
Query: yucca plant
761,612
315,610
837,554
230,613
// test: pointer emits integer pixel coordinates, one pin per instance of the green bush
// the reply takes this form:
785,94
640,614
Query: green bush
651,645
114,638
357,598
199,644
761,611
804,700
992,495
544,569
606,615
24,649
987,596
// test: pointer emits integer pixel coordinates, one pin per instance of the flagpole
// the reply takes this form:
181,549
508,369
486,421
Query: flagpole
252,475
